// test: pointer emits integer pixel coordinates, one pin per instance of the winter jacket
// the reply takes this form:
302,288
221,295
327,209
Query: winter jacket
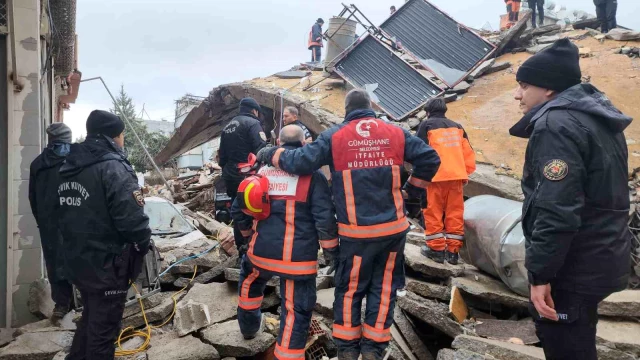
44,178
302,215
242,135
450,141
305,130
315,36
365,155
576,205
102,216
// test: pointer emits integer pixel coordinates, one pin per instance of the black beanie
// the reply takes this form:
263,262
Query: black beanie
105,123
247,104
554,68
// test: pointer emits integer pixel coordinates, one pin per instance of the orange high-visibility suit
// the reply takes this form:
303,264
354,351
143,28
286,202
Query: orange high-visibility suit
444,215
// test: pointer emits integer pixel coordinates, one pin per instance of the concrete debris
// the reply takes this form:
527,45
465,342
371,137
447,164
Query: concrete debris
506,329
431,312
485,181
66,324
450,354
416,238
405,327
428,267
294,74
506,40
462,88
585,52
482,69
605,353
37,346
323,281
233,275
625,50
6,336
158,313
619,335
489,289
624,303
448,98
422,115
547,39
498,66
545,30
623,35
399,347
592,23
536,49
208,276
148,303
413,123
167,347
324,302
428,290
40,303
498,349
228,340
190,317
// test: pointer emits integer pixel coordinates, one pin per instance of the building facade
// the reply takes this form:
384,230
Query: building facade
200,155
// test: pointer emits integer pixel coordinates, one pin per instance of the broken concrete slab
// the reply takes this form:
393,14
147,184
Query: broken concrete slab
208,276
428,267
6,336
536,49
450,354
619,335
542,30
505,329
405,327
191,317
507,39
448,98
324,302
485,181
40,302
148,303
482,69
462,88
428,290
422,115
431,312
228,340
233,275
547,39
498,67
623,303
413,123
605,353
294,74
416,238
158,313
498,349
66,324
185,348
489,289
37,346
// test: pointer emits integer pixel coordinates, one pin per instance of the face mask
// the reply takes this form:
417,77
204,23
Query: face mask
61,149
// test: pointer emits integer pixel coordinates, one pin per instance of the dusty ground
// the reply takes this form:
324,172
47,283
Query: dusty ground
489,110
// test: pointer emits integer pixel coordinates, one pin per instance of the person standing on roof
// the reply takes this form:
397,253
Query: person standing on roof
242,136
365,155
444,214
513,9
606,12
285,244
44,178
315,41
105,230
392,9
537,6
576,206
290,117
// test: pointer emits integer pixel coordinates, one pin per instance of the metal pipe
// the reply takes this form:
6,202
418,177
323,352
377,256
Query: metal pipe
17,86
115,104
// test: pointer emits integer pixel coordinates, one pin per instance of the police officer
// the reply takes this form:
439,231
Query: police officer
285,244
242,136
44,178
290,116
106,232
576,199
365,155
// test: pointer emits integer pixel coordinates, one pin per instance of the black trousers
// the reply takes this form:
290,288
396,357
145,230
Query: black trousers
99,327
316,54
232,191
573,336
606,13
537,6
61,289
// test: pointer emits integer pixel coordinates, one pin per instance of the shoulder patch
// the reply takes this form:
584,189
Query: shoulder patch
263,136
137,195
555,170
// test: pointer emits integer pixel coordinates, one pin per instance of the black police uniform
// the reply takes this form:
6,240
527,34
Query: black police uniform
575,213
106,236
241,137
305,130
44,178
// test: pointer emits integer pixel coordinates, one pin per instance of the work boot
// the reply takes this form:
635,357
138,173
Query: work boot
348,355
370,356
260,329
59,311
437,256
451,258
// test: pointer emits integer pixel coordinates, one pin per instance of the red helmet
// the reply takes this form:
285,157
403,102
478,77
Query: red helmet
253,197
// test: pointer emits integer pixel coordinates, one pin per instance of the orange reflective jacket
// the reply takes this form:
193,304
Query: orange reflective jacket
448,138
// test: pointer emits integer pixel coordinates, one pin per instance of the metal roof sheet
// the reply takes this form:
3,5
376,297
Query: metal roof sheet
447,48
397,87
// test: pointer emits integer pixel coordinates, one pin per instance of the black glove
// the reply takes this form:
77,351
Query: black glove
413,191
242,250
136,259
265,154
330,258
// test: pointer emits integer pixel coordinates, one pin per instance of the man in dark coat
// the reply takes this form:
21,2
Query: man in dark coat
537,7
315,41
576,200
44,178
606,12
106,232
290,116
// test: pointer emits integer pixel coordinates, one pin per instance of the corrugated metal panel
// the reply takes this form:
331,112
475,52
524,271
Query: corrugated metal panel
447,48
401,88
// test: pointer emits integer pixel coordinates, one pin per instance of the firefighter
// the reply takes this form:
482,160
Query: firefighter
43,186
365,155
242,136
444,213
315,41
105,230
576,205
606,12
290,116
513,9
285,244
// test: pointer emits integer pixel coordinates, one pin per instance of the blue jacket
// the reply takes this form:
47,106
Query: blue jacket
302,216
365,156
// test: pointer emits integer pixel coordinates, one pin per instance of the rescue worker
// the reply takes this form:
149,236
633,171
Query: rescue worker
365,155
315,41
285,244
242,136
606,12
513,9
576,203
539,4
105,230
43,196
392,9
290,116
444,213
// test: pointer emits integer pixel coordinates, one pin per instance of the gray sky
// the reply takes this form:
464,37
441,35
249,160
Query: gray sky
162,49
